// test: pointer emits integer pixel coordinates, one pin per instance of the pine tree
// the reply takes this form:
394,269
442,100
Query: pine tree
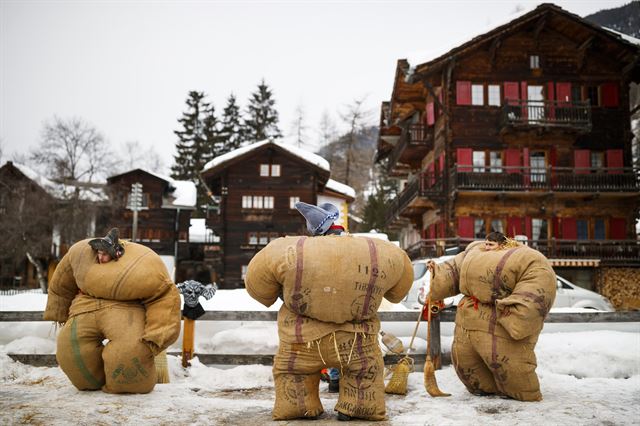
232,132
384,190
198,141
262,117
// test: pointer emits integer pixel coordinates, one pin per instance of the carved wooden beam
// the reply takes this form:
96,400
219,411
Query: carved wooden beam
493,50
433,93
542,22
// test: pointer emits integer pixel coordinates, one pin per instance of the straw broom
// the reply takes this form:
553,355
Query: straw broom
430,382
162,367
400,377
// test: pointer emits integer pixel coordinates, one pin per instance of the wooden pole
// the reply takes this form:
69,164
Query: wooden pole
188,341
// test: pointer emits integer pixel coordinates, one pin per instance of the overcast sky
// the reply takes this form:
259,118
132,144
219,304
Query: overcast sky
126,67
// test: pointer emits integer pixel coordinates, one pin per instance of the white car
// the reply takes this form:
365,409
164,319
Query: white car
568,295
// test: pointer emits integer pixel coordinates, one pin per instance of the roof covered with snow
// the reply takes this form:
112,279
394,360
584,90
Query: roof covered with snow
61,191
285,145
183,193
340,188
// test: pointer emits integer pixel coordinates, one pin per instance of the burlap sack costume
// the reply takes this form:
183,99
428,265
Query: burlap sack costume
508,293
131,302
332,287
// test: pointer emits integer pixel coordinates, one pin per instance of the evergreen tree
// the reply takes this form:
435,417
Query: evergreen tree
262,117
232,132
198,141
384,190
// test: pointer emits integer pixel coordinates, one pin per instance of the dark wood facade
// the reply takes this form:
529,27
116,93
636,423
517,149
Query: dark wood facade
163,224
256,190
524,129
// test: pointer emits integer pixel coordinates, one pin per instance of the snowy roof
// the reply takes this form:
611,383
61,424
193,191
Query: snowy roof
63,191
199,233
423,57
340,188
286,145
184,193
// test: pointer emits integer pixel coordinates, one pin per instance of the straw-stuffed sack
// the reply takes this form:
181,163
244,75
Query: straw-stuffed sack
332,287
398,382
131,302
508,294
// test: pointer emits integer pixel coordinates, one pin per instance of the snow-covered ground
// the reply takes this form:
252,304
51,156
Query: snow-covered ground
589,377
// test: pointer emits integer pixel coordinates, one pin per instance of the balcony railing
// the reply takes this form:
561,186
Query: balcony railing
425,184
414,135
609,252
567,114
518,178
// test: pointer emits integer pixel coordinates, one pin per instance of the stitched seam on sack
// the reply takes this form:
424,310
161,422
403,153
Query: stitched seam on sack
120,279
77,356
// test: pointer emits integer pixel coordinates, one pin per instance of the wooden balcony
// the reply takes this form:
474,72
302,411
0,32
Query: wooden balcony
608,252
427,186
559,179
573,115
415,142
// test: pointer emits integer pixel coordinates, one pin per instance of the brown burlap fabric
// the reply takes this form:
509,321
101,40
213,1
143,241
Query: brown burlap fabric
332,287
508,293
132,302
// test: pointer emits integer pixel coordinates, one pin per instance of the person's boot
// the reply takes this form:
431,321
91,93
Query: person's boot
334,386
343,417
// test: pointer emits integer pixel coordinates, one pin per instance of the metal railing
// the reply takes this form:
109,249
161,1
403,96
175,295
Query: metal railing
425,184
610,252
567,114
524,178
412,135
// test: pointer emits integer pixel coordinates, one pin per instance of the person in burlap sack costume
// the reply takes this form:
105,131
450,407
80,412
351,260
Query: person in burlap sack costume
105,288
332,287
509,289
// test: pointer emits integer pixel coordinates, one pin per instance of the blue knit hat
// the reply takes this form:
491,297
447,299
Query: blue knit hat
319,218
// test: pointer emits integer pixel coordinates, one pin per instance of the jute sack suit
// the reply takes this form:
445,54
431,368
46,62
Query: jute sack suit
132,302
508,293
332,287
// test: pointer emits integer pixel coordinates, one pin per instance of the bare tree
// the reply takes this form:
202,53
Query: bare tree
355,117
73,150
299,126
327,129
135,155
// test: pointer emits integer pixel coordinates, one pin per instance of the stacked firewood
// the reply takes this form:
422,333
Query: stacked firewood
621,286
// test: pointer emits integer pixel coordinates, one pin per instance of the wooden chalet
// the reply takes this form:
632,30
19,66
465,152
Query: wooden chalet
524,129
164,220
257,187
40,209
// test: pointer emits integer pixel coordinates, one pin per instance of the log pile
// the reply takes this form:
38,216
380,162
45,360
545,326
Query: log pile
621,286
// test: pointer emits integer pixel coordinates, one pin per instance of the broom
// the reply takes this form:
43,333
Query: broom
162,367
399,379
430,382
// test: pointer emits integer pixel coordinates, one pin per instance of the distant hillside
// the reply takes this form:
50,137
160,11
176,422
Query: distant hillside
624,19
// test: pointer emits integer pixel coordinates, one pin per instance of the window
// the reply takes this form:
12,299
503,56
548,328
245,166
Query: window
598,230
582,229
478,161
243,271
538,166
495,159
479,228
263,239
538,229
576,92
293,201
257,202
477,94
597,161
592,95
534,62
252,238
270,170
494,95
496,226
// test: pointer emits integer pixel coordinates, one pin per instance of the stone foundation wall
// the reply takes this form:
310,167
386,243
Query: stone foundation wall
621,286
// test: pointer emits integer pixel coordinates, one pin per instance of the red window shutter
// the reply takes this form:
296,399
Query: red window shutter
511,91
431,117
617,228
581,161
525,95
610,97
551,96
440,229
569,228
432,232
555,228
441,162
463,92
512,160
464,159
514,226
563,93
527,164
553,156
465,227
614,161
431,179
